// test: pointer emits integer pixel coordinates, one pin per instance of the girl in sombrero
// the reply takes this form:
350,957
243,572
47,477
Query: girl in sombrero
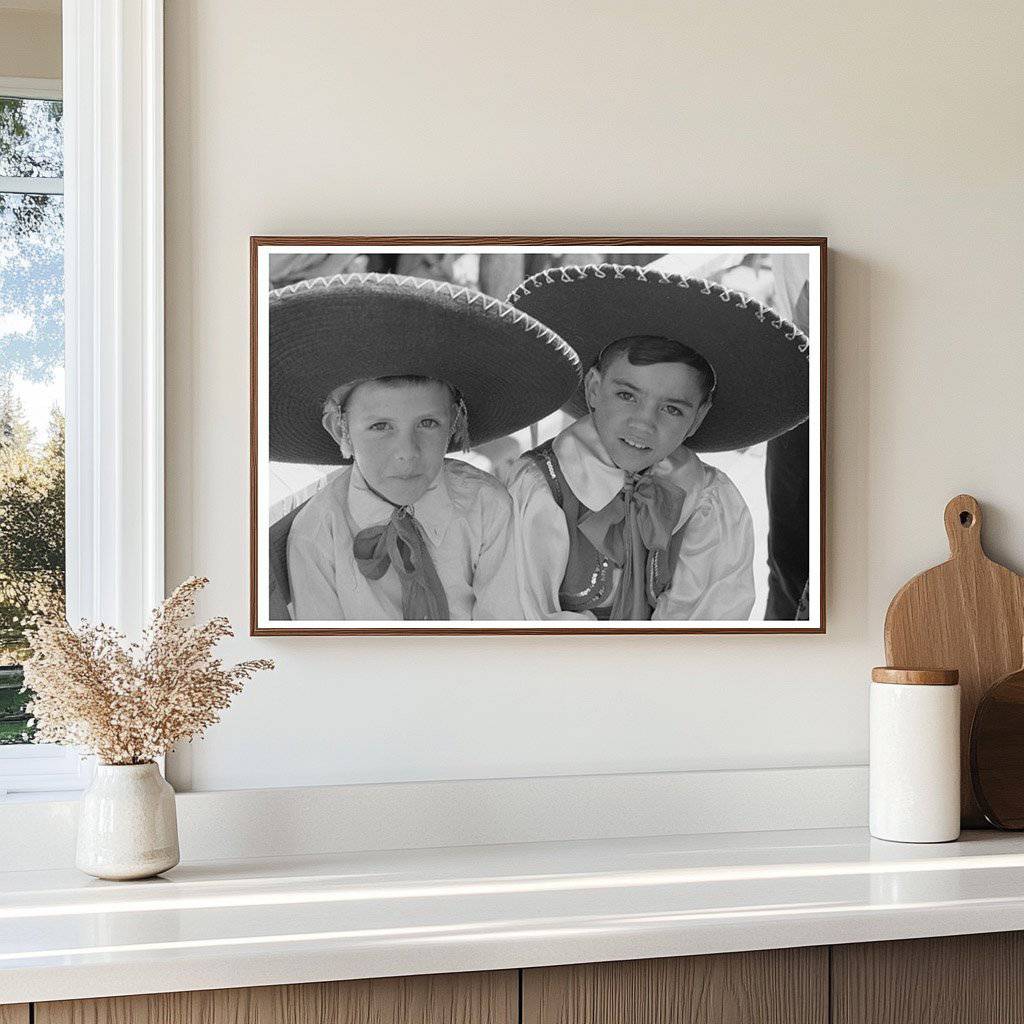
618,518
385,375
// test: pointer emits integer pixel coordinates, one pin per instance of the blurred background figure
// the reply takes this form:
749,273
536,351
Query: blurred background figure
289,268
787,467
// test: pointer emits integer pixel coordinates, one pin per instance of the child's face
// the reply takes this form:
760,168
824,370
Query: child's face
399,434
644,413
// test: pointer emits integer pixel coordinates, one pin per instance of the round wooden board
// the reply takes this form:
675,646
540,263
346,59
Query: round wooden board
997,753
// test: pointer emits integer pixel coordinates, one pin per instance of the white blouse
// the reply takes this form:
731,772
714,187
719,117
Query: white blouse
466,516
713,579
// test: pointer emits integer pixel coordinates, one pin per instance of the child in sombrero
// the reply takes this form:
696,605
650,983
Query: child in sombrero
386,375
617,517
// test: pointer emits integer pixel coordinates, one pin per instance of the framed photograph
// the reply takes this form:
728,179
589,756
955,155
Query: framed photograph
537,435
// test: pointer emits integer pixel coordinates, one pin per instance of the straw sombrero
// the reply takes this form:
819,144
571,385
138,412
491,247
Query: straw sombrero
510,370
760,360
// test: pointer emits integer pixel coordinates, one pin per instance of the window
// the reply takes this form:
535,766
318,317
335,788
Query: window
112,120
32,530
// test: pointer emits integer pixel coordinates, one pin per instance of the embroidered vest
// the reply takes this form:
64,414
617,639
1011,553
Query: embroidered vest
586,583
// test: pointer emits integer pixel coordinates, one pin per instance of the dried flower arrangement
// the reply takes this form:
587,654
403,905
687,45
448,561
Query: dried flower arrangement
130,703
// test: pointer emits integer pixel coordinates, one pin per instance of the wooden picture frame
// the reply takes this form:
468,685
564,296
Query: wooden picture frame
753,260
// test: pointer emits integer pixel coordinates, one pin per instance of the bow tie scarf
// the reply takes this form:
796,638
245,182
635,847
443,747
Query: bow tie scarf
633,531
401,544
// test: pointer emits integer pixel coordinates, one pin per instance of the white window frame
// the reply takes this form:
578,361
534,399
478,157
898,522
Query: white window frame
114,339
39,767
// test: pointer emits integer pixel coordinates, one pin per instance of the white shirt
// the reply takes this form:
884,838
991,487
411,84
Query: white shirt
466,516
713,579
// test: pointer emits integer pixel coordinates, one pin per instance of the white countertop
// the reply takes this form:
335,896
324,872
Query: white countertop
223,924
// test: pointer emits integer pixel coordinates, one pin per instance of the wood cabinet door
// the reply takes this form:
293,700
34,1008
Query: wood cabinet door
960,979
477,998
14,1013
776,986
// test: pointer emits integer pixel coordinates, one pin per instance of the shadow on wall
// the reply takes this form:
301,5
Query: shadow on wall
850,360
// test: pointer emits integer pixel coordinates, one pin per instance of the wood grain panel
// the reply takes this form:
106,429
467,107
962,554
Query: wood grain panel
962,979
477,998
14,1013
779,986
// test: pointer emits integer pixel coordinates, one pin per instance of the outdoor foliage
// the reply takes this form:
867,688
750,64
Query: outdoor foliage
31,349
31,545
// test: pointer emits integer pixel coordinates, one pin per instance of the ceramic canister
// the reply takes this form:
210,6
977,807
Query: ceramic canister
915,755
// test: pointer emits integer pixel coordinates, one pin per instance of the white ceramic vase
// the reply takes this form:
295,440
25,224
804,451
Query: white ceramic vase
127,825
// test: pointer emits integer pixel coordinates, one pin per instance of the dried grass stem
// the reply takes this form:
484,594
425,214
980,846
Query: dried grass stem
129,703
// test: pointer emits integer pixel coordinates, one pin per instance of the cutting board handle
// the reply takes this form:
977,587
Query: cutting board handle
963,526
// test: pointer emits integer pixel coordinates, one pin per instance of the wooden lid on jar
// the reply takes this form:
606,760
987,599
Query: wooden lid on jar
916,676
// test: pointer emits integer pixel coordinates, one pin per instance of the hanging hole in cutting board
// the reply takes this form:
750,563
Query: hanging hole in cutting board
966,519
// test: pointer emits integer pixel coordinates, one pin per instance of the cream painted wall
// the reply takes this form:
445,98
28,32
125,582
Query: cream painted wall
895,129
30,39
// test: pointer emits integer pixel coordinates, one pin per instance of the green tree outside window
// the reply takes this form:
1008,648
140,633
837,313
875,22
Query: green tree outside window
32,554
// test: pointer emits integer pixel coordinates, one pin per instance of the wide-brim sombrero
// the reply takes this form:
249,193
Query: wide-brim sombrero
509,369
760,359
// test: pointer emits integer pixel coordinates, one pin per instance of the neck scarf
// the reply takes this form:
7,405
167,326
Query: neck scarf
634,531
400,543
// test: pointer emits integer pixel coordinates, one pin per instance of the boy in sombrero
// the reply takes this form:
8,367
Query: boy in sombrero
386,375
617,517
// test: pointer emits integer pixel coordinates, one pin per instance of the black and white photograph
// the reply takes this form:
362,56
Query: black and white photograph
537,435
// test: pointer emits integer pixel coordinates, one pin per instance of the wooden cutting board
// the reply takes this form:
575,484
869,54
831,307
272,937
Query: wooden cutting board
967,614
